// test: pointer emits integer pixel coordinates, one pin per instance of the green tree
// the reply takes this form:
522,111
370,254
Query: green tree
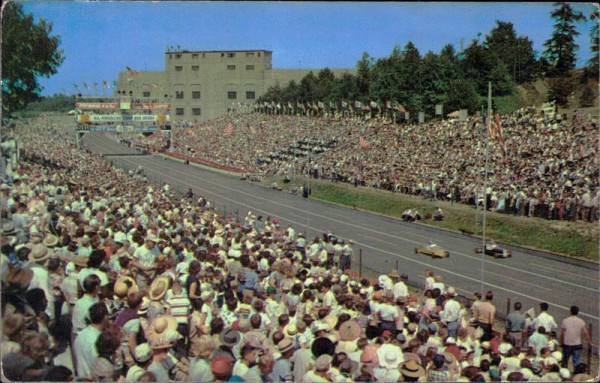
462,94
515,52
308,87
363,74
29,51
561,48
594,62
345,88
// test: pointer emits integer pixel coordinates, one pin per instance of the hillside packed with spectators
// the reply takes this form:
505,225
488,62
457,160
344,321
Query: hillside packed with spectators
546,168
133,283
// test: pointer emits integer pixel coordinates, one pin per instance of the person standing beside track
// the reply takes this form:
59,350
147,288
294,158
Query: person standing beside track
572,332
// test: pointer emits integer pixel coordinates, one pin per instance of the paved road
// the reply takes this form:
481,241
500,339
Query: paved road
530,277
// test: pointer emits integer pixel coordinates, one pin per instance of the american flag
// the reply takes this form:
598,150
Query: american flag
228,130
362,143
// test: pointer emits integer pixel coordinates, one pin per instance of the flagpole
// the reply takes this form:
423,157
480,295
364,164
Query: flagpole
485,179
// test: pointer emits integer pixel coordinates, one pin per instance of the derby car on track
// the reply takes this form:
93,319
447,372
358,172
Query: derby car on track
433,250
491,248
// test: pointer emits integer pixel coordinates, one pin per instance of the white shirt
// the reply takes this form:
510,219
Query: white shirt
145,256
85,351
451,311
400,290
81,312
546,320
41,280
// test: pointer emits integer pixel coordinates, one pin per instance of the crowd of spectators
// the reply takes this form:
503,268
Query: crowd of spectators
143,285
546,168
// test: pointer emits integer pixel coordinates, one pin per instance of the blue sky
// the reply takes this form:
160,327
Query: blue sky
100,38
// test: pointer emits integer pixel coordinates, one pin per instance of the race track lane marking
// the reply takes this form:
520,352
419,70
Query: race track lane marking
357,226
185,182
564,272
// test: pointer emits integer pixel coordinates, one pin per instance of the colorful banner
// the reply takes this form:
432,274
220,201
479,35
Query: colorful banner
116,105
87,118
96,105
121,129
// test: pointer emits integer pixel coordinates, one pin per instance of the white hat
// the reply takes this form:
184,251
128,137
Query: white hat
390,356
143,353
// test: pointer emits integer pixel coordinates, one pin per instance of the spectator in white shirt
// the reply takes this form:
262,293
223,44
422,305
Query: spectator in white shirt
85,345
545,319
91,287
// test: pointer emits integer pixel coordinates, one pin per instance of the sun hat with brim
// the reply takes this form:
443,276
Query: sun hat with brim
143,353
143,310
8,229
390,356
39,253
80,261
394,274
158,288
350,330
412,369
450,291
51,240
160,327
285,345
162,331
229,337
20,277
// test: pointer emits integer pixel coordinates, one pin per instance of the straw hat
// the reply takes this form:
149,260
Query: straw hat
158,288
162,331
394,274
121,287
80,261
412,369
51,240
285,345
8,229
229,337
350,330
390,356
39,253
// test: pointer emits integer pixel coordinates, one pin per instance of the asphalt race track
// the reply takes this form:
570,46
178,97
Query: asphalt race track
529,276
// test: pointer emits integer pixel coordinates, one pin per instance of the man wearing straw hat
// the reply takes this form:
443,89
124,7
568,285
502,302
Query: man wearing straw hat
145,262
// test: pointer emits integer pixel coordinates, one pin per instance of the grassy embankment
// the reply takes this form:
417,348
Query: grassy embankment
573,239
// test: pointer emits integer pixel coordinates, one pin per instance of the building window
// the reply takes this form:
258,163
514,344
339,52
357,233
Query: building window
194,55
146,94
179,111
230,67
232,95
195,68
250,95
249,54
196,94
177,56
258,54
179,94
178,68
249,67
231,55
196,111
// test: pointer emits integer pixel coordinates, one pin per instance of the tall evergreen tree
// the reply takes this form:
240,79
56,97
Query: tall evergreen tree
363,74
515,52
594,62
561,48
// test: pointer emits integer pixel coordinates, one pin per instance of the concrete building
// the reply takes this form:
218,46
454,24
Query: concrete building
202,85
